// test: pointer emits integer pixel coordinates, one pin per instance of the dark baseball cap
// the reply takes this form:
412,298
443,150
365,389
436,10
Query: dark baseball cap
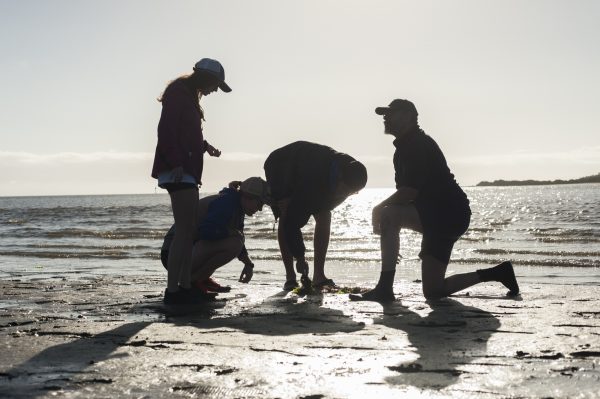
397,105
215,68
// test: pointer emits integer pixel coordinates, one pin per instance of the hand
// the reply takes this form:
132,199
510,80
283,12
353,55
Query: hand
302,267
376,220
212,151
236,184
177,174
247,273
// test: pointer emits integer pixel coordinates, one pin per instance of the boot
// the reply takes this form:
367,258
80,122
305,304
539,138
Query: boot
503,273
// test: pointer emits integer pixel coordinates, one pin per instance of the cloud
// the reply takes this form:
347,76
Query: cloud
112,172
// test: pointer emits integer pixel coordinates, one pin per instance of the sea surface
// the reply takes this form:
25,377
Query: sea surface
550,231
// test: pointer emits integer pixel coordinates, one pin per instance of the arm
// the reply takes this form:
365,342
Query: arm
248,270
212,151
403,195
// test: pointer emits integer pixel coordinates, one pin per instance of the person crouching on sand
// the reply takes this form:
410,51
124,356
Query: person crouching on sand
308,179
427,200
219,235
178,164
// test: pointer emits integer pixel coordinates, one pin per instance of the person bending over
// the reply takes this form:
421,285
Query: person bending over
219,235
427,200
308,179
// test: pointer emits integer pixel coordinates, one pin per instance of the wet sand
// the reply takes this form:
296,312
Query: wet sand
109,336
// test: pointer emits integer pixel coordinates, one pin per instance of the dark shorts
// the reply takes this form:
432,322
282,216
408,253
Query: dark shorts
441,229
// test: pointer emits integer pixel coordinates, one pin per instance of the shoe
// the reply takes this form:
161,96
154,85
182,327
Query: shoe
182,297
290,285
203,294
211,285
503,273
376,295
325,283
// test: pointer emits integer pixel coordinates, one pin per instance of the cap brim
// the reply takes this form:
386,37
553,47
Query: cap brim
382,110
225,87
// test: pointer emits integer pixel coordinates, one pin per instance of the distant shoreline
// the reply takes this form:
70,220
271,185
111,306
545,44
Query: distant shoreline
500,183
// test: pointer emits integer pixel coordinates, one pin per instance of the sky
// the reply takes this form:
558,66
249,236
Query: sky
508,89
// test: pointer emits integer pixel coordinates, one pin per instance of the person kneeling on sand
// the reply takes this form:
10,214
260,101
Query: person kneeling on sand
427,200
308,179
220,236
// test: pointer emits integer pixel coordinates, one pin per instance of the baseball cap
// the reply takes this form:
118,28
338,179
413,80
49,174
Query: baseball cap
397,105
215,68
257,187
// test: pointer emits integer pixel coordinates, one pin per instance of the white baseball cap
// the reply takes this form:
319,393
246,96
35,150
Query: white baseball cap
215,68
257,187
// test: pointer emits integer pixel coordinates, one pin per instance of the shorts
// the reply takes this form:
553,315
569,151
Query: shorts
441,229
166,180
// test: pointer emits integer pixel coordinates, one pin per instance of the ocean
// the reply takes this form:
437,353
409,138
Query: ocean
548,232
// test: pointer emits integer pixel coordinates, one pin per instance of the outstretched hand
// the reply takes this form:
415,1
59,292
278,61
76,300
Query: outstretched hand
247,273
212,151
236,184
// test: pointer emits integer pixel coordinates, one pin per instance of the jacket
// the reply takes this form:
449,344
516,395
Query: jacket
180,138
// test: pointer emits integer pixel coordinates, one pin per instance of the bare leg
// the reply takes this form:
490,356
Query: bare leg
208,256
394,218
286,255
436,285
184,204
321,243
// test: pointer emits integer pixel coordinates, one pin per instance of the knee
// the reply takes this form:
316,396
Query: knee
433,293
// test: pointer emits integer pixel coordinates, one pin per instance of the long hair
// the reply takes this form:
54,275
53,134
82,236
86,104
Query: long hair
201,79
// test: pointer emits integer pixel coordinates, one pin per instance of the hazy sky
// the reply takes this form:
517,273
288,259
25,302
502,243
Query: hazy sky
508,89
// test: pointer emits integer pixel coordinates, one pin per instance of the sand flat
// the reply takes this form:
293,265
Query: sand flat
111,337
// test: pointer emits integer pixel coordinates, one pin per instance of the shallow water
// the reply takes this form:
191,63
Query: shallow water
543,229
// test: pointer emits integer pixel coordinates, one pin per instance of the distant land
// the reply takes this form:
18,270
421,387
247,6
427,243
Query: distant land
581,180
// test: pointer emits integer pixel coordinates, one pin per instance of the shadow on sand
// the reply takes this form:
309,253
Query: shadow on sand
69,365
281,315
451,335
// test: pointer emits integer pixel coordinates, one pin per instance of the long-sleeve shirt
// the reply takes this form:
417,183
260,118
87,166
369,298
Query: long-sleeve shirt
180,138
419,163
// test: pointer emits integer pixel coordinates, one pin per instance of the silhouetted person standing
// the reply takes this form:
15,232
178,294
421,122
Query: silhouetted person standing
308,179
178,165
427,200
